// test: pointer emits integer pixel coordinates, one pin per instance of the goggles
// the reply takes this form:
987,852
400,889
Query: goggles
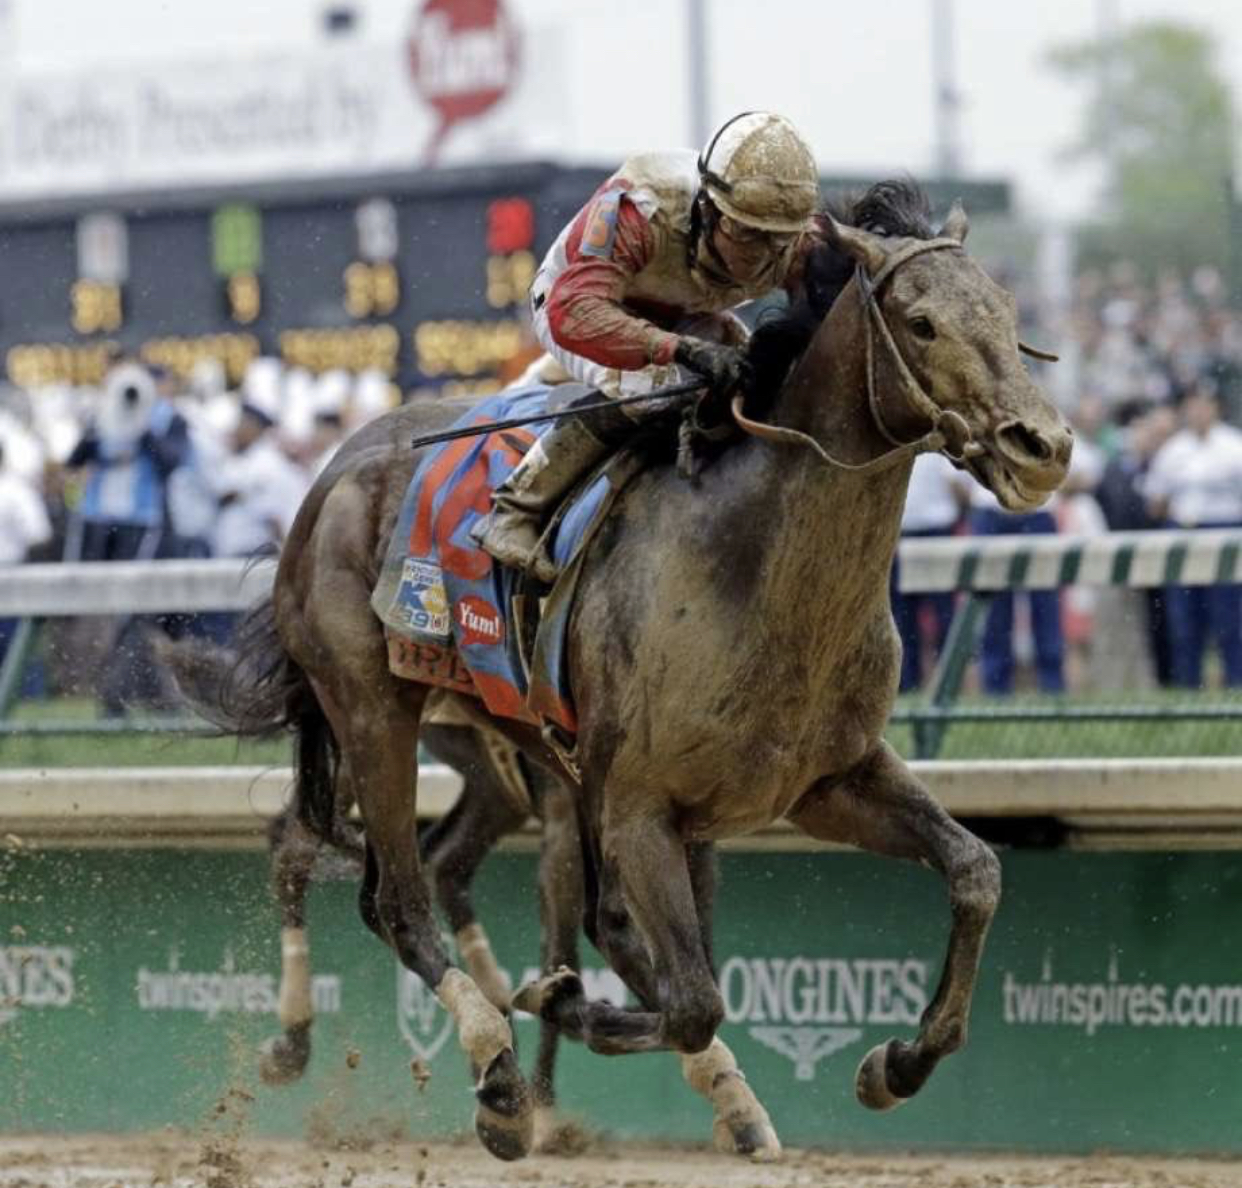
747,236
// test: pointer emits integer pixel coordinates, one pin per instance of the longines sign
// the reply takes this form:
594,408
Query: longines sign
450,93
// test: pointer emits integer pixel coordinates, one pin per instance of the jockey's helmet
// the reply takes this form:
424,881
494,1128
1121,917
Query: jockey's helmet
758,170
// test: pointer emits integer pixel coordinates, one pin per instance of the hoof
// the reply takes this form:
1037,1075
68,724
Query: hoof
757,1141
505,1117
871,1080
541,998
283,1058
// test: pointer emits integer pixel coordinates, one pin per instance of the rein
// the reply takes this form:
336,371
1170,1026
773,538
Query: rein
950,434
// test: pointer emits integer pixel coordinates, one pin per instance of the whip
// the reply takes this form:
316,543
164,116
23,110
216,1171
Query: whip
684,389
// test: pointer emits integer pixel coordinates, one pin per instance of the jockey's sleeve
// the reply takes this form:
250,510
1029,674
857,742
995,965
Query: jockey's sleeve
609,244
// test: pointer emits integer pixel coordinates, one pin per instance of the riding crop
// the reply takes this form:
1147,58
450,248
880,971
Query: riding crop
673,390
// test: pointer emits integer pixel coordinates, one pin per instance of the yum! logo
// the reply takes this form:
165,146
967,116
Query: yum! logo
480,622
808,1008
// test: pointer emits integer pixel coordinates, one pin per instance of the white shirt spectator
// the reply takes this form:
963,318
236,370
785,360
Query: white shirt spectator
1200,476
24,521
931,500
263,489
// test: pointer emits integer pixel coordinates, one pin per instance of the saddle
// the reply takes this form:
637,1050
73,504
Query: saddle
455,617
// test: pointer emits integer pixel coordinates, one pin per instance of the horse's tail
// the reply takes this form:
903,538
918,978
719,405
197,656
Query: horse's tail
256,690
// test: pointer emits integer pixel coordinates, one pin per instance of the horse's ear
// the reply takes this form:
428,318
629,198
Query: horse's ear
956,225
868,249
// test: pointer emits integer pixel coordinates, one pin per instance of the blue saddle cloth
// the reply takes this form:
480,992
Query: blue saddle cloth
446,605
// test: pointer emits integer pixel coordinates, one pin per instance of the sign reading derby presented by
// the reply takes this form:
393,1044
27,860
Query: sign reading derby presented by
455,90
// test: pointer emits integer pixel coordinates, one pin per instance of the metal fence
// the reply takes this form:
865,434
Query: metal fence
1124,717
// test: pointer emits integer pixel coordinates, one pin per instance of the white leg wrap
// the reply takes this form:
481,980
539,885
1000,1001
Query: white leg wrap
714,1074
480,962
481,1028
294,1006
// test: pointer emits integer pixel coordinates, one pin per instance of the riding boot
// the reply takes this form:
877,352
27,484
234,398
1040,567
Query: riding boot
520,504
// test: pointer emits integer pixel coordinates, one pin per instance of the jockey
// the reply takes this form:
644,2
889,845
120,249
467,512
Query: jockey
669,236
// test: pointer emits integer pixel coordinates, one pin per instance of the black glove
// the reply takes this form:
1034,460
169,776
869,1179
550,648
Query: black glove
723,367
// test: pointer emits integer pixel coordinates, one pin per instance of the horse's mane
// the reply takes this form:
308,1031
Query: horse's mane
894,208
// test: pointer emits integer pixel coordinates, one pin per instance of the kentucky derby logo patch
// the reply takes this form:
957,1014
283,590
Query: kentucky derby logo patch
421,604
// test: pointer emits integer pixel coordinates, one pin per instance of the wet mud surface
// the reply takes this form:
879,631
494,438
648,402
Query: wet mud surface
176,1160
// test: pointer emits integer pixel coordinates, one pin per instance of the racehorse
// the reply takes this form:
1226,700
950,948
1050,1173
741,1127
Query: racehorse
731,652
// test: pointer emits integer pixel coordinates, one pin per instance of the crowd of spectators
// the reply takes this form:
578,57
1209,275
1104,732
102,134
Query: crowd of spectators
151,466
146,466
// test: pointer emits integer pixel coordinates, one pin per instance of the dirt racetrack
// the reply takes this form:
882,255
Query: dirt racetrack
182,1161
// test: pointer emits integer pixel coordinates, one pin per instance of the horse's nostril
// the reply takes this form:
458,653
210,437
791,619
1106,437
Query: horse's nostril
1024,443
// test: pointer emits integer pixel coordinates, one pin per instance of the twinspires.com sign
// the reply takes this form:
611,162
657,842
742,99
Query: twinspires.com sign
1111,996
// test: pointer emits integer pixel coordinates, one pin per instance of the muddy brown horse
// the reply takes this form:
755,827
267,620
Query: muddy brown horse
732,654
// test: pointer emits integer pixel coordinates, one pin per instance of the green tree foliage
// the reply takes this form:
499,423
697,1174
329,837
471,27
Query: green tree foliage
1160,118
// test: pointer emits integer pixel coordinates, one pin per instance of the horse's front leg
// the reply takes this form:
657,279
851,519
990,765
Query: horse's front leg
881,807
646,859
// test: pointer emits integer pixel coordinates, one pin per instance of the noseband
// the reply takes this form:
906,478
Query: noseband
949,435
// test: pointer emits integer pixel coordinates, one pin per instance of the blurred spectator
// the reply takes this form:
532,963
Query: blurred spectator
1144,429
1078,514
996,660
327,435
259,489
24,524
135,442
935,503
1195,481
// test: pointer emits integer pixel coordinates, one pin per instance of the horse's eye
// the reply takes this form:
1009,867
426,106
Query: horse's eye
921,327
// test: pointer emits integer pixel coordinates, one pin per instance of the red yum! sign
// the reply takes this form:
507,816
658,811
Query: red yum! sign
479,622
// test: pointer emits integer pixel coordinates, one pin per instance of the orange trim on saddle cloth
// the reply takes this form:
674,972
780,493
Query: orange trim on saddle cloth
473,492
428,663
431,664
548,705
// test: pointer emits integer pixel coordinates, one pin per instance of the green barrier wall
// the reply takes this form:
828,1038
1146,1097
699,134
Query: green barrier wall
136,986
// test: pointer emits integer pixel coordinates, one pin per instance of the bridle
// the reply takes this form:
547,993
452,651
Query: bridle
949,434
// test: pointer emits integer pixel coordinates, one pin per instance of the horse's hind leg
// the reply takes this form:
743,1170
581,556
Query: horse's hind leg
375,719
400,909
880,806
741,1125
461,840
293,852
298,855
560,913
643,875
